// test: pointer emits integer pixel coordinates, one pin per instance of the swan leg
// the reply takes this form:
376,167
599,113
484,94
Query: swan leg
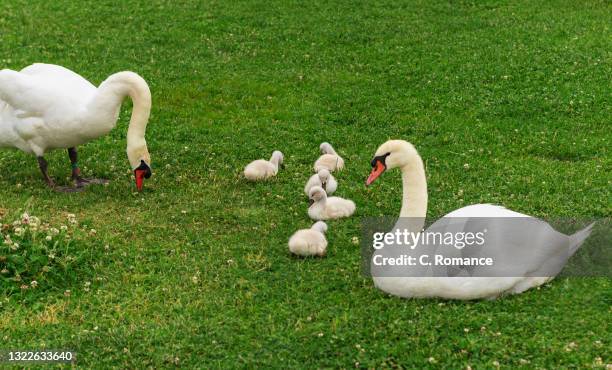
76,171
44,166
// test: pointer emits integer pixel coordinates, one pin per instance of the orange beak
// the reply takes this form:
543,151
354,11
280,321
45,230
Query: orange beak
140,176
376,171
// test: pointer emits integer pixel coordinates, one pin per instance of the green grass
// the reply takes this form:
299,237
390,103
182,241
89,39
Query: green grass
519,90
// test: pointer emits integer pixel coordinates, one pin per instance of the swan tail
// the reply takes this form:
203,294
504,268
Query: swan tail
578,238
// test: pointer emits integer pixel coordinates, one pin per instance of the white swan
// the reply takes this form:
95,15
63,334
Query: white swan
323,179
261,169
309,242
548,250
323,207
330,160
45,107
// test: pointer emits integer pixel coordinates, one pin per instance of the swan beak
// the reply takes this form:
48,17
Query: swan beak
142,172
140,175
310,202
376,171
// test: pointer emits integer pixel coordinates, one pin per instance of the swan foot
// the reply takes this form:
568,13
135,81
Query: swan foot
81,183
67,189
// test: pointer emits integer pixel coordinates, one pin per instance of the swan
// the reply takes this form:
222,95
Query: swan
329,159
261,169
323,207
309,242
45,107
323,179
547,249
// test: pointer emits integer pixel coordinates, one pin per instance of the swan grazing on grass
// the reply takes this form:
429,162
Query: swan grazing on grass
323,179
261,169
532,255
309,242
323,207
330,160
45,107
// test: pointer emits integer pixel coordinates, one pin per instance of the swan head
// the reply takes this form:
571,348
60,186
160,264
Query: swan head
278,158
326,148
140,160
392,154
316,194
320,226
323,176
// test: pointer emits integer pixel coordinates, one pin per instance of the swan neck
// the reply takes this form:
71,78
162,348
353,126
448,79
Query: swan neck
414,200
108,100
275,160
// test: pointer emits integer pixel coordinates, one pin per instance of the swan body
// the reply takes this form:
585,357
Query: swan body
45,107
328,208
323,179
542,250
309,242
329,160
261,169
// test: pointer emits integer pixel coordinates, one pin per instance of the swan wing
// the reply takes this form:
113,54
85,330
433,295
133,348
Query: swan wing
44,89
484,210
519,245
61,77
23,94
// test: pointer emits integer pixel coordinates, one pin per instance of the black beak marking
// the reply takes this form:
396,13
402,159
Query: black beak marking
381,159
144,167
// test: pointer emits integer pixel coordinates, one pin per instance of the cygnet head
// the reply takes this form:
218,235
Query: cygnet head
277,157
316,194
323,176
392,154
320,226
326,148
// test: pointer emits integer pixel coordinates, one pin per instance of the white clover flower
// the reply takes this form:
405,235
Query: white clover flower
49,238
34,283
16,223
64,227
54,231
34,221
4,271
15,246
25,218
51,256
19,231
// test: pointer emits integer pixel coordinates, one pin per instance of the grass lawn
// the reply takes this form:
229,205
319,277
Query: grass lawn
197,271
